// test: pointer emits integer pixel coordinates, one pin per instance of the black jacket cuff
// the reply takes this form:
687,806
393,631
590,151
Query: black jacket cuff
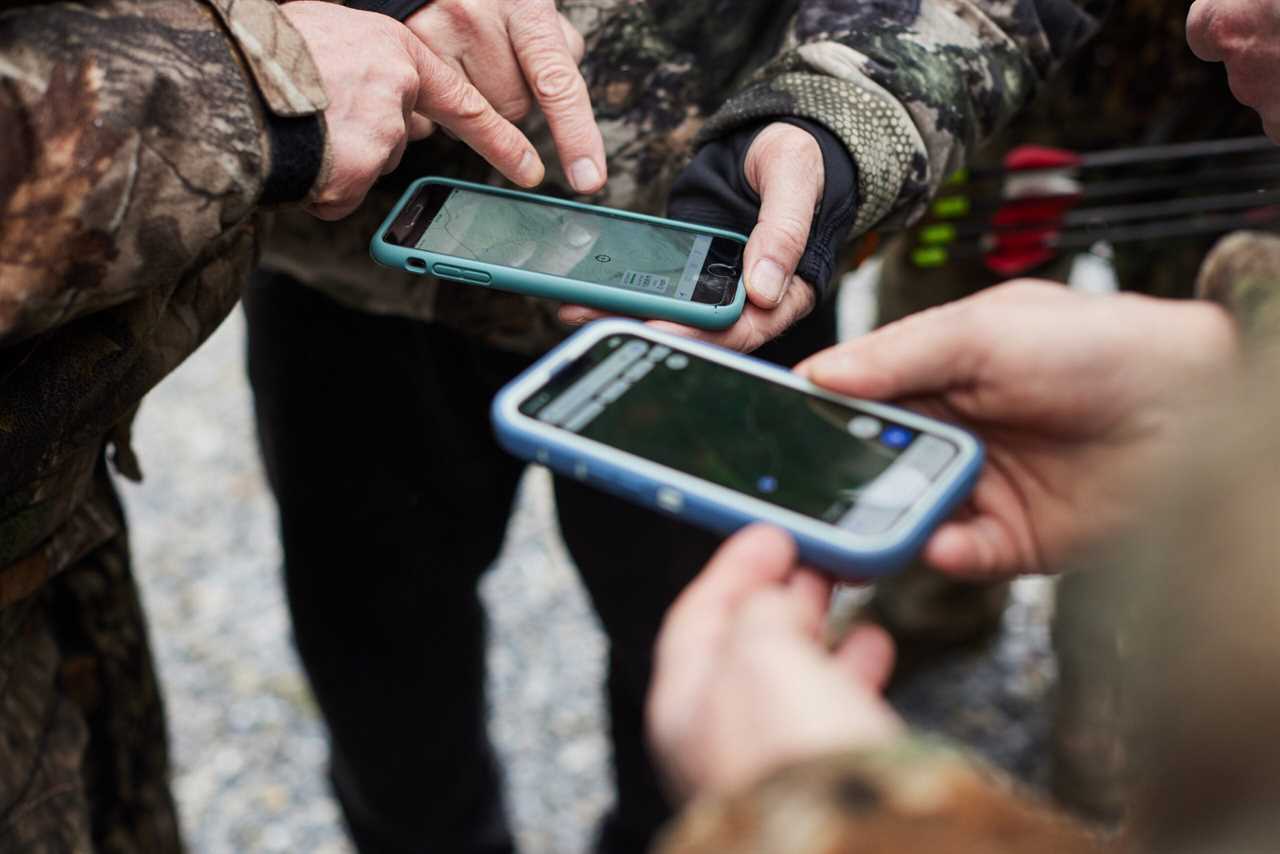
297,153
398,9
713,190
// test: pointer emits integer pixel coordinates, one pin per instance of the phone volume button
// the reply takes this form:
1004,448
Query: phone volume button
459,274
476,277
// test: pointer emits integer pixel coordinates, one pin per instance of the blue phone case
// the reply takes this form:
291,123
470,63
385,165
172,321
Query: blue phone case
559,288
616,471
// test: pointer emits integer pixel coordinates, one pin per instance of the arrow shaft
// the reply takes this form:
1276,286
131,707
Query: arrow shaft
1257,218
1104,218
1146,154
1216,179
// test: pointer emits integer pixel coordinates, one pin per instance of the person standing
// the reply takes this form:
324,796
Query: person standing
801,123
141,143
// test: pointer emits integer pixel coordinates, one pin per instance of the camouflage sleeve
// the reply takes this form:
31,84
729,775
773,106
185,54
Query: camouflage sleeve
134,136
909,87
917,794
1242,273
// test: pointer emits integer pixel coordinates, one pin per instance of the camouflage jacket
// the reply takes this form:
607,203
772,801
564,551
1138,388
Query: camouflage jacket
908,86
133,153
1194,664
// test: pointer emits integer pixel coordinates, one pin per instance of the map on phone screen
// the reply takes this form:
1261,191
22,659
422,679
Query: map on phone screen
581,245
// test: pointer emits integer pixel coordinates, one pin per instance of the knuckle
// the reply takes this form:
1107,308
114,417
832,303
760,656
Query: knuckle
388,134
462,101
515,108
790,235
1222,27
509,147
459,18
366,170
403,78
556,82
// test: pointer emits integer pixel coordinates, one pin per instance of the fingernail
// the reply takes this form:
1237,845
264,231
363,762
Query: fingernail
584,175
531,169
768,280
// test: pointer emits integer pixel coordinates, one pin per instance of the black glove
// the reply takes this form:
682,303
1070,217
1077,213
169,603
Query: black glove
713,190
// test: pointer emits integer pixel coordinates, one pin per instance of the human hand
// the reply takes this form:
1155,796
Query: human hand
784,167
516,53
1245,36
385,89
742,680
1078,398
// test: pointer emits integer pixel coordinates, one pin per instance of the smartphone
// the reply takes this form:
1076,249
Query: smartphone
723,440
607,259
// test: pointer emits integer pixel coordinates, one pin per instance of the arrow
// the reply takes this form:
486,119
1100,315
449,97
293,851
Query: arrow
1015,257
1040,158
951,207
1037,215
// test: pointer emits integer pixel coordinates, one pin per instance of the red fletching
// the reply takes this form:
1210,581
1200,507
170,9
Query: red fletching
1029,157
1017,245
1011,262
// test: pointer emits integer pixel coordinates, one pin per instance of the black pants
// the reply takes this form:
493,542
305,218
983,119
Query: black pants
394,498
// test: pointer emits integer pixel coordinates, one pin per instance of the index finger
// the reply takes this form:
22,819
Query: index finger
549,67
926,353
449,99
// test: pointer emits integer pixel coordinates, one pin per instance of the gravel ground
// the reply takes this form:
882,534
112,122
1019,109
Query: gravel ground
248,746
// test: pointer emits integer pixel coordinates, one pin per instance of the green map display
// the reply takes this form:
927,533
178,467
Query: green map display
734,429
575,244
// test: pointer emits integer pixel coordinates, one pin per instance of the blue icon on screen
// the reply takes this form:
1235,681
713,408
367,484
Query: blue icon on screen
896,437
767,484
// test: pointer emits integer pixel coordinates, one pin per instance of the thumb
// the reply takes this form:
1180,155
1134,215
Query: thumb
933,352
756,557
784,167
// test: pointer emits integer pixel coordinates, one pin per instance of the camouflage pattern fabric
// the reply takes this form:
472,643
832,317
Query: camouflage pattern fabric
908,86
131,162
916,794
130,168
84,758
1240,274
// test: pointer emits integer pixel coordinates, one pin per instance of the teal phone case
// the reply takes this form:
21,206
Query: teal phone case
603,297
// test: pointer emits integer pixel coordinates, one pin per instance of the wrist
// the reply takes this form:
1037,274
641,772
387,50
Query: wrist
296,151
285,90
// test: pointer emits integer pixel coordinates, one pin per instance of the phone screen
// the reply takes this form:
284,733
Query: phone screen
826,460
586,246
